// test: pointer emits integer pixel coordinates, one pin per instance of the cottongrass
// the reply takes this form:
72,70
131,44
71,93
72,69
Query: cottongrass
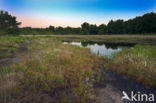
138,63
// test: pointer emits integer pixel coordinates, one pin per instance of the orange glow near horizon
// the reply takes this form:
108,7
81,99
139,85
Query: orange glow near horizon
45,21
42,22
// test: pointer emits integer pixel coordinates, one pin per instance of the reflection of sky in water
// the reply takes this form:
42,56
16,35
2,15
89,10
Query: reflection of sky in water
74,43
98,49
102,50
77,43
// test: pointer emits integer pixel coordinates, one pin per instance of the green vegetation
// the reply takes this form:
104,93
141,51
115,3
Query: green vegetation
62,72
8,24
54,72
138,63
10,45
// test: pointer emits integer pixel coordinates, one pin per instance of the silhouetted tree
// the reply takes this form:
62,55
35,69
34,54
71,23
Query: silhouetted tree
8,24
93,29
85,28
142,24
102,29
115,27
51,28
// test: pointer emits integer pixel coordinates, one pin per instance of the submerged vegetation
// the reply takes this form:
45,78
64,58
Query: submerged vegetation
64,73
138,63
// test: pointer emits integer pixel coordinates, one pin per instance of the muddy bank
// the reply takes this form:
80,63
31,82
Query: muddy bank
110,90
15,57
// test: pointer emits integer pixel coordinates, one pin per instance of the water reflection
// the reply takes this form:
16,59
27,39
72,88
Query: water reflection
102,48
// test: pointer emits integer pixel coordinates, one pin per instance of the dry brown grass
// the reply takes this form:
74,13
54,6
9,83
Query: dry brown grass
51,67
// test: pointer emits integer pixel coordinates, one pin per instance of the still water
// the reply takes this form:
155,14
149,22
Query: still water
102,48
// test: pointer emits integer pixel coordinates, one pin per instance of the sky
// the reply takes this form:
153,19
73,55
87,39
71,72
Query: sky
42,13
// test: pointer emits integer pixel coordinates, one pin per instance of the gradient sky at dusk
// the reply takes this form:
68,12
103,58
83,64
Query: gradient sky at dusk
42,13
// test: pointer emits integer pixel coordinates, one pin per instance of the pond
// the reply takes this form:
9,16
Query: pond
102,48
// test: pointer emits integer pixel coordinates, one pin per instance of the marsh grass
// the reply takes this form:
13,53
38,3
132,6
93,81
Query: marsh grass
9,45
51,67
53,72
143,39
138,63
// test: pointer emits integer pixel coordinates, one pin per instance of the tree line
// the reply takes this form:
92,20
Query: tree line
138,25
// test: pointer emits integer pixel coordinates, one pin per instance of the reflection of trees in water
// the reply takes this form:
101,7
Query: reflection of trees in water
117,45
108,45
111,45
86,43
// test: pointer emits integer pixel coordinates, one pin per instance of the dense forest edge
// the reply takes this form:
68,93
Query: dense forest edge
145,24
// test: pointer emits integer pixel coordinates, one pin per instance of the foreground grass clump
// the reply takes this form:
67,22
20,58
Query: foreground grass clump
9,45
63,72
138,63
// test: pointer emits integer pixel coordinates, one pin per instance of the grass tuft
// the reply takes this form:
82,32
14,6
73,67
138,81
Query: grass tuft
138,63
51,67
